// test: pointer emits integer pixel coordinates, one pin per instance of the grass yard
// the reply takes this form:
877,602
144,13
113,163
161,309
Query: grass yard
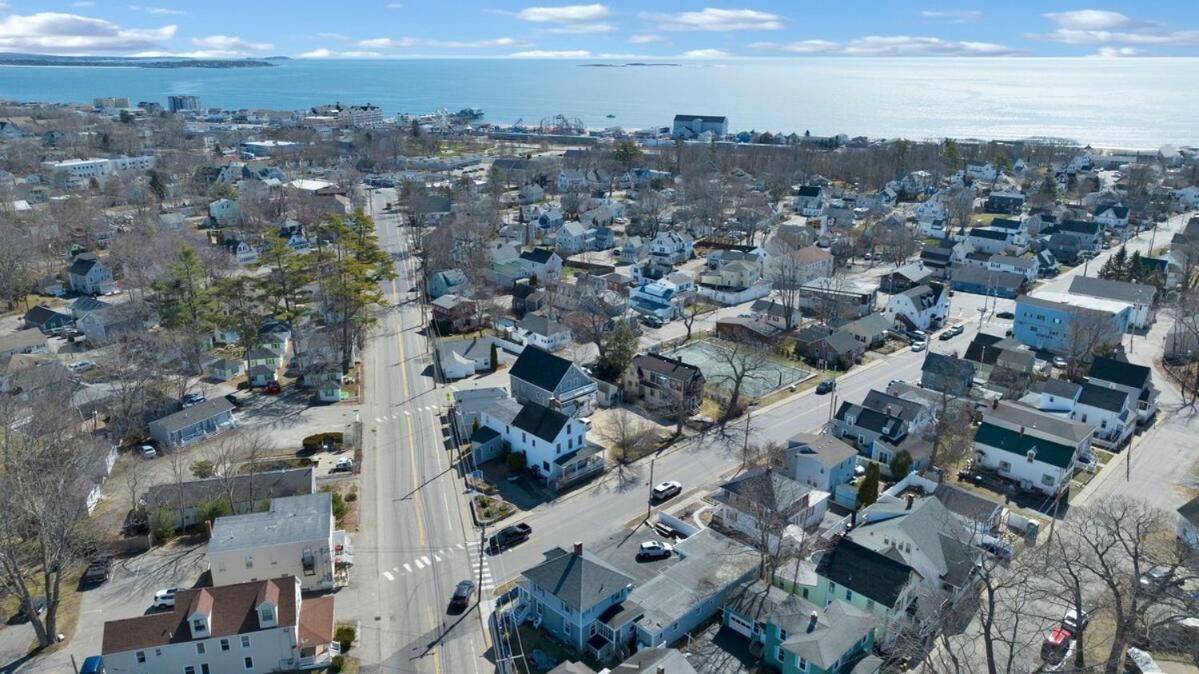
69,601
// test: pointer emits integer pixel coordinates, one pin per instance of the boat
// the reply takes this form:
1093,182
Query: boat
611,116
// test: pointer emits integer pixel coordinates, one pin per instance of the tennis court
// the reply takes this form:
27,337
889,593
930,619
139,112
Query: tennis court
707,357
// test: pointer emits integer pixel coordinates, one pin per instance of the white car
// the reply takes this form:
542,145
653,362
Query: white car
345,464
148,452
82,365
1087,462
667,489
165,598
654,550
919,346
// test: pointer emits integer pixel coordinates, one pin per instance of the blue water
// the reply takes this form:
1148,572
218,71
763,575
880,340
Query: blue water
1131,103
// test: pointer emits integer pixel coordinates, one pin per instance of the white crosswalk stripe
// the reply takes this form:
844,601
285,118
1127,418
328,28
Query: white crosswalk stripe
418,564
407,567
388,576
426,561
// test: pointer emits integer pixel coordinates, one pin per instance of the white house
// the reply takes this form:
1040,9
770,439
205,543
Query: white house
543,263
932,209
985,172
1139,295
659,299
1036,449
554,445
1112,412
543,332
1187,198
572,237
261,626
763,498
1025,266
820,461
295,537
671,247
571,179
921,307
1112,216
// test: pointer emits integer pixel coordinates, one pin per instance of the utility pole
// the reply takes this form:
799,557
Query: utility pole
649,501
482,549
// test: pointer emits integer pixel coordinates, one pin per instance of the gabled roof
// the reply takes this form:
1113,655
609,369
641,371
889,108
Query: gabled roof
1122,291
828,449
270,484
537,255
865,571
947,366
82,265
195,414
665,365
1015,414
993,234
809,191
1080,227
578,579
767,488
1047,451
540,368
1102,397
921,530
541,421
1119,372
891,405
42,314
1189,511
988,277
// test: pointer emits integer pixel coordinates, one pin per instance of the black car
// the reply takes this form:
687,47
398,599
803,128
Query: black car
509,536
98,570
826,386
1005,315
462,594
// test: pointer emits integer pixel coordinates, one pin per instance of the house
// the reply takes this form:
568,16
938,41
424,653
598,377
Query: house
870,330
541,331
448,282
1003,201
89,276
573,237
1036,449
568,592
990,240
811,262
294,537
47,320
764,505
664,383
1070,325
922,307
251,493
459,358
224,212
632,251
1005,364
1121,375
1186,198
750,330
194,423
797,636
224,369
881,585
23,341
530,193
882,418
1139,295
454,313
50,286
971,279
833,298
671,247
1188,523
1027,266
660,298
828,348
984,172
29,376
570,180
260,626
947,374
821,462
908,276
1110,411
1111,216
689,127
1087,236
541,377
107,325
809,201
542,263
85,305
732,277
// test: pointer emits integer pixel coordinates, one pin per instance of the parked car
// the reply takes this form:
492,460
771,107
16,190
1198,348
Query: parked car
193,399
651,321
1156,576
165,598
1060,362
148,452
98,570
951,332
94,664
826,386
654,550
917,335
668,489
1006,315
82,365
274,388
233,399
462,594
919,346
509,536
1087,462
343,465
38,604
1075,622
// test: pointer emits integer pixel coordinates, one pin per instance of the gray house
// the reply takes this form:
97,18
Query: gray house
89,276
541,377
249,492
194,423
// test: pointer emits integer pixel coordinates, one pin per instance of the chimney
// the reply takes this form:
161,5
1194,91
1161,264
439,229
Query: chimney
578,547
911,499
853,518
1021,431
661,669
812,620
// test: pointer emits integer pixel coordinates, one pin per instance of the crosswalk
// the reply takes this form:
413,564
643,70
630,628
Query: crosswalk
480,569
434,409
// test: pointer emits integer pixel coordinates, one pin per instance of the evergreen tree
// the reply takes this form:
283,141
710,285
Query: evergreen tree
868,487
495,357
901,464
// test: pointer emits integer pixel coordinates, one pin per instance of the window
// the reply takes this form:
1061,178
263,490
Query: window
249,662
803,665
804,592
141,657
782,637
158,652
200,648
266,615
204,668
198,625
1005,466
249,561
224,644
779,654
869,604
1048,480
832,586
189,670
848,595
245,642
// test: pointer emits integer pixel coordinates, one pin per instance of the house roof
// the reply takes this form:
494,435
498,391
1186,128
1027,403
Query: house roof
82,265
1022,415
1119,372
768,488
1013,261
967,504
993,234
988,277
540,420
891,405
270,484
870,324
233,610
1102,397
478,347
658,660
809,191
842,342
1060,388
537,255
578,579
290,519
825,448
665,365
1121,291
1047,451
42,314
85,304
1190,510
913,271
857,567
924,530
541,325
871,420
21,340
947,366
1080,227
195,414
540,368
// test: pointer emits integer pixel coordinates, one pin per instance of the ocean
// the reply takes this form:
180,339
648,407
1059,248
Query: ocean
1139,103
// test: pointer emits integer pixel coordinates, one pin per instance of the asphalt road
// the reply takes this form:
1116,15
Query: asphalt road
415,541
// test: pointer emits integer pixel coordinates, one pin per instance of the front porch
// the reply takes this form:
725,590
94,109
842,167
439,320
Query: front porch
576,466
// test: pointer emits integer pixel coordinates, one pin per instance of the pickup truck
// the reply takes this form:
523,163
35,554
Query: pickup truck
509,536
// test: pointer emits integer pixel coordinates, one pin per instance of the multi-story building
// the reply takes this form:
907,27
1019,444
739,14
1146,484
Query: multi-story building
181,103
664,383
1070,325
362,116
261,626
694,126
1034,448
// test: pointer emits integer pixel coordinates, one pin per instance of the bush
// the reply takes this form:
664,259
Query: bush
162,525
338,663
210,510
317,440
339,506
203,469
345,635
516,461
351,497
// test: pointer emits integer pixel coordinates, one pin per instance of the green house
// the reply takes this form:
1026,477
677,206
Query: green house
797,636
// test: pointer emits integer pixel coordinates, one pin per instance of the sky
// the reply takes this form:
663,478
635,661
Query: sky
613,30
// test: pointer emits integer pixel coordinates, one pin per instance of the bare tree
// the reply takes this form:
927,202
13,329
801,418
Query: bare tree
740,365
787,276
1088,333
627,436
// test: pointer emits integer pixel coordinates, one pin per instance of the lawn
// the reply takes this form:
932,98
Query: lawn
69,601
536,640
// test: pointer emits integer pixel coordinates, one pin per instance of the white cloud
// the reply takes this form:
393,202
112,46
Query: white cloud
3,7
543,54
1089,19
712,19
890,45
394,5
1116,52
61,33
953,15
582,28
801,47
646,39
158,11
228,43
323,53
565,14
405,42
83,3
705,54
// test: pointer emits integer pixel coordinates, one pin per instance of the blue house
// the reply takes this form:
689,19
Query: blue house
1070,325
447,282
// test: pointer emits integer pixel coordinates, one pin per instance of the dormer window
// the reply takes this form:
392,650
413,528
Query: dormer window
199,626
266,615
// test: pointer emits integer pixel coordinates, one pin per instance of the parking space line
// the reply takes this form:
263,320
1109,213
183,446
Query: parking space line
388,576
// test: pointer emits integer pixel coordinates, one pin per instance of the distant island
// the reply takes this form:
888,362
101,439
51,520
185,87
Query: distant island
13,59
626,65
